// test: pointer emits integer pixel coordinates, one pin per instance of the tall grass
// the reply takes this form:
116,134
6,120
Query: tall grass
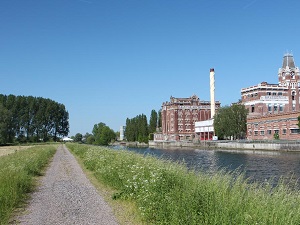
167,193
16,176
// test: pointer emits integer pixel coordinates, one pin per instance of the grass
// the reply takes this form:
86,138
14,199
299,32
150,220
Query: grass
6,150
168,193
16,176
124,210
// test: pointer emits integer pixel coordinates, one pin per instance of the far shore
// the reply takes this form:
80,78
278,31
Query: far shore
278,145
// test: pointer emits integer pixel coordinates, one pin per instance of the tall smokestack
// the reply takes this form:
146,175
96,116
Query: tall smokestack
212,92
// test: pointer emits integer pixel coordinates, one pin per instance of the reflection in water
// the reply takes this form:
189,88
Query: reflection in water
256,165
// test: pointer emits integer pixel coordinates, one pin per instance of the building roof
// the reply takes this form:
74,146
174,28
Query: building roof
288,60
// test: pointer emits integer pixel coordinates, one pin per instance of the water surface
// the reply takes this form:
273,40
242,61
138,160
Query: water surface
260,166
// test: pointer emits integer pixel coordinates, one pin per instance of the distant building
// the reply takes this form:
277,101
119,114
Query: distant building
179,117
274,108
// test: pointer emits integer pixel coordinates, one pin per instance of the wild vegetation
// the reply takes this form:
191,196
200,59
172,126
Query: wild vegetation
168,193
16,176
31,119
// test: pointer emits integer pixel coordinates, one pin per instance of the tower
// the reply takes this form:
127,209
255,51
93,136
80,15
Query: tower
289,76
212,92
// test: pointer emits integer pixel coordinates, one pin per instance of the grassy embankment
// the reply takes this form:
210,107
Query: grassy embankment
167,193
17,171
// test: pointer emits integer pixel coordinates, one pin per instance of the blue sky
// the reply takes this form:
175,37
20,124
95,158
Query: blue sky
109,60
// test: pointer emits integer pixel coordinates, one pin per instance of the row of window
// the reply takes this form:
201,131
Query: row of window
271,107
269,132
268,93
275,107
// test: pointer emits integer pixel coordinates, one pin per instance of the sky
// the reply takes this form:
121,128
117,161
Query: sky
108,60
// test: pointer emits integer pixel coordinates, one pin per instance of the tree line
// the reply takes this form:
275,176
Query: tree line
138,129
31,119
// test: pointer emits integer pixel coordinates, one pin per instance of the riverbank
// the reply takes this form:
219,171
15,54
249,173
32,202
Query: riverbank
270,146
286,146
168,193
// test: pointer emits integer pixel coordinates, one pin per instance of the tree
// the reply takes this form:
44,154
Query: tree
231,121
90,139
32,118
78,137
153,121
103,134
159,118
137,129
4,120
86,136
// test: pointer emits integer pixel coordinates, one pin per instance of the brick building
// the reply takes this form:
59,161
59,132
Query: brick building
274,108
179,117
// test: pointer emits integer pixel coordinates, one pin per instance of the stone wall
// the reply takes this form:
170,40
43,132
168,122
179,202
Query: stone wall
284,146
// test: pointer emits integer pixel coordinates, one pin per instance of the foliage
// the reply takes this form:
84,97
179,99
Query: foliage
31,119
151,136
167,193
103,134
90,139
16,173
153,121
276,136
231,121
159,118
5,116
137,129
78,137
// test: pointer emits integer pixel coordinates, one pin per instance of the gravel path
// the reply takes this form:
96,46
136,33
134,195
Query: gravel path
66,196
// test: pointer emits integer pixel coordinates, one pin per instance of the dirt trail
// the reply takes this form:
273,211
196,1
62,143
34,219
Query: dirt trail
66,196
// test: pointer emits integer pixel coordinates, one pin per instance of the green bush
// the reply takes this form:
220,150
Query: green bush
16,173
168,193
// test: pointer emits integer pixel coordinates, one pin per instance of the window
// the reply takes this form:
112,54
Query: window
292,74
262,132
274,93
284,131
252,108
270,107
293,95
255,132
275,108
279,93
294,131
281,108
276,131
268,93
269,132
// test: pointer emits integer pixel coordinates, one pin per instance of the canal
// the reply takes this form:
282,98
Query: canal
260,166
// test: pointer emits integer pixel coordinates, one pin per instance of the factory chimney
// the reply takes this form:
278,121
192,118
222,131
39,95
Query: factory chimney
212,92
